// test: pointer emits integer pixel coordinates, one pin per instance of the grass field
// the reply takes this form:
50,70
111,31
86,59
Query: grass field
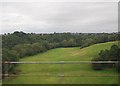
57,73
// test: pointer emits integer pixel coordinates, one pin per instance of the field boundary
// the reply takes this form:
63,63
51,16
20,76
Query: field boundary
61,62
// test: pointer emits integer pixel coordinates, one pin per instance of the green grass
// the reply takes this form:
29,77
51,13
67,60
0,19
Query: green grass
51,72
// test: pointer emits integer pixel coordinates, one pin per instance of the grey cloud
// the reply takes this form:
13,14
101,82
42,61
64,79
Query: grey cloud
60,17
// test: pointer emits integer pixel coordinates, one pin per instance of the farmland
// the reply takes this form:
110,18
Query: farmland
64,73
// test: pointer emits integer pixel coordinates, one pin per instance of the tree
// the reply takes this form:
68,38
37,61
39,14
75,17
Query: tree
108,55
114,53
8,56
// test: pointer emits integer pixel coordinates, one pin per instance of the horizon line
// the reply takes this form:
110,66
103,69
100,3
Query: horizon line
55,32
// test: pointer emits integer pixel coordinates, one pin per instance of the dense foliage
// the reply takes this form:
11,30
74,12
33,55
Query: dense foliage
19,44
108,55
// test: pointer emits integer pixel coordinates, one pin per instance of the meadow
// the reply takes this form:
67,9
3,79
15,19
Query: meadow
64,73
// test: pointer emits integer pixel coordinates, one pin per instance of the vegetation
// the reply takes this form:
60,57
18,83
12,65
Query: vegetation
108,55
19,44
57,73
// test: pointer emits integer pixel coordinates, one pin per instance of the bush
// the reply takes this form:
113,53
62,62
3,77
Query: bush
107,55
97,66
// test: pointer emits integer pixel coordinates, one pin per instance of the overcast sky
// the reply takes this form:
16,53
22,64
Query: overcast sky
47,17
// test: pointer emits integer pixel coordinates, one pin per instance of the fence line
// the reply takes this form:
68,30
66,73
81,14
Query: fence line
58,75
60,62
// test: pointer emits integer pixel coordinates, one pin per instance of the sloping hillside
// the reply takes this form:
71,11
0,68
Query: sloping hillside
64,73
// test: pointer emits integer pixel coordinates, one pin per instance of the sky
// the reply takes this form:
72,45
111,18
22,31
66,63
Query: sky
49,17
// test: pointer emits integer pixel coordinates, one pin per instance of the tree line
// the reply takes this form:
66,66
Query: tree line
108,55
19,44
